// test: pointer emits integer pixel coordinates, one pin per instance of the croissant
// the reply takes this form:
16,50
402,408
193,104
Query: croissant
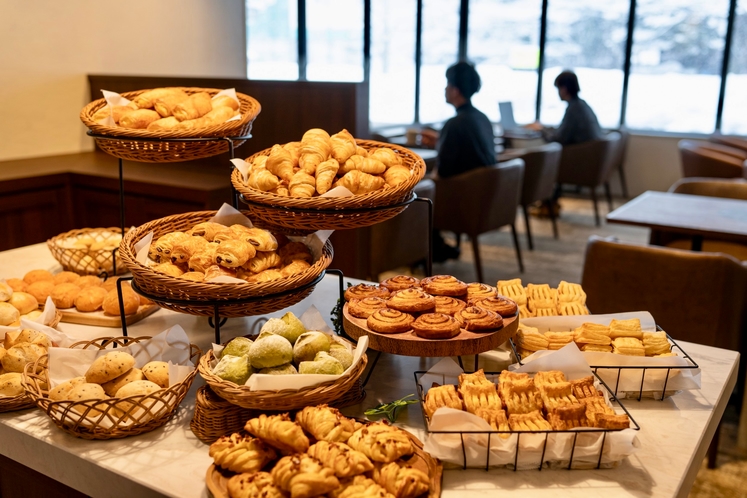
258,484
294,149
279,431
234,253
396,174
197,105
364,164
281,190
315,148
186,248
279,163
381,442
303,476
120,110
343,145
326,423
241,453
295,266
360,151
325,175
263,180
165,105
225,101
315,133
353,163
360,487
262,261
343,461
402,480
260,162
359,182
206,230
386,156
302,185
163,124
146,99
139,120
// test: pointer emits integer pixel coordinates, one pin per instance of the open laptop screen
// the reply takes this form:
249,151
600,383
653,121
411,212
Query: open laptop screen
506,111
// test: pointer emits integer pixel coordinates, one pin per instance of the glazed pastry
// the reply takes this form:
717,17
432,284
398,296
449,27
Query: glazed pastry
344,461
361,291
262,261
388,321
363,308
262,179
239,453
520,396
326,423
279,432
411,301
262,240
139,120
478,319
325,175
294,267
279,163
234,253
436,326
402,481
513,290
397,174
302,184
477,291
204,259
359,182
90,298
185,248
531,421
63,295
400,282
439,396
197,105
449,305
499,304
295,250
483,396
381,442
343,146
257,484
303,477
169,269
443,285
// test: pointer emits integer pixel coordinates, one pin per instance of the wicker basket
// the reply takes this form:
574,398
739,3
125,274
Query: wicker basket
331,213
215,417
14,403
202,296
328,392
107,419
84,261
160,147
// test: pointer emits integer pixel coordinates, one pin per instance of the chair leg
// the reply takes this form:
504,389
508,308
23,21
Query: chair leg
529,230
623,183
713,448
476,253
596,207
517,247
608,194
553,218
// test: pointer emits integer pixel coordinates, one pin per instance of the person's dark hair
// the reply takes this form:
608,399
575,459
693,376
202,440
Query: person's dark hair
569,81
463,76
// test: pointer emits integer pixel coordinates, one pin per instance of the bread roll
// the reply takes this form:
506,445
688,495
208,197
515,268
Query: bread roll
62,391
66,277
130,299
147,99
90,299
139,120
109,367
17,284
157,372
8,314
114,385
41,289
33,315
16,357
24,302
111,283
27,335
5,291
84,392
137,388
88,281
10,384
63,295
37,275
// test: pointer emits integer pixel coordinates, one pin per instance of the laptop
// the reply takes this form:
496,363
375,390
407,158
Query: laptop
506,110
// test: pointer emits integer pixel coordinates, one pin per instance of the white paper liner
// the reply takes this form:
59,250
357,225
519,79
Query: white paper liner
448,447
313,321
630,379
171,346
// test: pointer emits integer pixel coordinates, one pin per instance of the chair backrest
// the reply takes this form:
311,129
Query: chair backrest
729,140
728,188
621,149
588,164
694,296
540,172
706,159
479,200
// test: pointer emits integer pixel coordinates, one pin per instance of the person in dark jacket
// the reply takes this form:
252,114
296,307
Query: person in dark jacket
579,122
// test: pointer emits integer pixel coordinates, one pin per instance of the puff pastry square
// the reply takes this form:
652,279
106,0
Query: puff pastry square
548,377
626,328
584,387
531,421
496,418
572,309
436,397
520,396
513,289
530,338
557,395
480,396
568,417
571,293
596,405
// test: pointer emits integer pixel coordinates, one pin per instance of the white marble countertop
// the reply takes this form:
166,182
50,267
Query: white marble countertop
171,461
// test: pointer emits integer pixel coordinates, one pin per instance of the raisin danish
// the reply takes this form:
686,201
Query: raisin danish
363,308
388,321
400,282
449,305
411,301
443,285
361,291
478,319
436,326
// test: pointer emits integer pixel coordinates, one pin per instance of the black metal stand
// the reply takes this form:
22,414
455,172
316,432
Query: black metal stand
429,261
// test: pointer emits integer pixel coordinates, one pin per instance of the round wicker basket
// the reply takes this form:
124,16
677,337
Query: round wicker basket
200,298
288,399
165,146
215,417
111,418
86,261
332,213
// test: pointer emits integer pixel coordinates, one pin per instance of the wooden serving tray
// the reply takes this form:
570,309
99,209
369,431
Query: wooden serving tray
100,319
216,478
409,344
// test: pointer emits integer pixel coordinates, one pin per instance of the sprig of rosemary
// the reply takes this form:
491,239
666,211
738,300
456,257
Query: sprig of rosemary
390,409
336,315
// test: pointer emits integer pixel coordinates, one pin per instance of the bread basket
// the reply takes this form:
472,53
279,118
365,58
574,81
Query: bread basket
215,417
200,298
164,146
331,393
308,215
86,261
109,418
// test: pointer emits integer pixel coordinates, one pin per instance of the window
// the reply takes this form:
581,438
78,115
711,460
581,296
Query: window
676,65
588,38
440,41
334,33
735,99
272,39
392,80
503,42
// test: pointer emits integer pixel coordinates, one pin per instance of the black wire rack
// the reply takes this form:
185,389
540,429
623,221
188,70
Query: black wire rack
517,447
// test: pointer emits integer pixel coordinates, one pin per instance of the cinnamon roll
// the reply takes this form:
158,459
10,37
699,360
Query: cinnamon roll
436,326
363,308
443,285
411,301
476,291
478,319
400,282
502,305
449,305
389,321
361,291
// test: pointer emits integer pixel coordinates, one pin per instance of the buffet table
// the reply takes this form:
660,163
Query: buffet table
171,461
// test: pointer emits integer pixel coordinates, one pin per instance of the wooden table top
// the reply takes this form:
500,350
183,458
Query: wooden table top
686,214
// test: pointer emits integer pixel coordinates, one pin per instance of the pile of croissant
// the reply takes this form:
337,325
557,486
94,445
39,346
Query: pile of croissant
320,162
165,109
321,453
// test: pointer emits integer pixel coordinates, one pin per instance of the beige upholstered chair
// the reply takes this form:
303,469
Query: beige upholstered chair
479,201
540,171
706,159
590,164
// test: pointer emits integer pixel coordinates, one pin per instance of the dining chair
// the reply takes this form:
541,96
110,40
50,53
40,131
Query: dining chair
590,164
707,159
479,201
729,140
540,171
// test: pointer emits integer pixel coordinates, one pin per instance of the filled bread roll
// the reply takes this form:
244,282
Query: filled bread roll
63,295
8,314
165,105
196,106
226,101
24,302
139,120
163,124
37,275
91,298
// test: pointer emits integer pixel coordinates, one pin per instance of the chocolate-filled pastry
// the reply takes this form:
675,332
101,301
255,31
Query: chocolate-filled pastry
206,230
388,321
449,305
169,269
443,285
361,291
436,326
164,245
185,248
400,282
502,305
363,308
204,259
478,319
477,290
234,253
411,301
262,240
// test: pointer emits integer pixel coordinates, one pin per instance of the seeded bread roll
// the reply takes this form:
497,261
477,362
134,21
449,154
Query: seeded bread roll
137,388
132,375
16,357
17,337
61,391
157,372
86,391
109,367
10,384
